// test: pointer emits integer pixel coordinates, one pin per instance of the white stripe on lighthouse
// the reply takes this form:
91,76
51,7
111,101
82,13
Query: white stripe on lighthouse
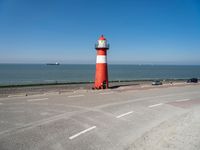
101,59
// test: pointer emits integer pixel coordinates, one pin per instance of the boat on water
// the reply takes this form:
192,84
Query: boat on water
53,63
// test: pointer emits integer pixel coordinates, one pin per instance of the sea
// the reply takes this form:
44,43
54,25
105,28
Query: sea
19,74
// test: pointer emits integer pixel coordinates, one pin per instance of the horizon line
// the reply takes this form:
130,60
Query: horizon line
138,64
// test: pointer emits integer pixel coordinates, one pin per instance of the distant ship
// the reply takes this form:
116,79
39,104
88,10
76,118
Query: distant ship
53,63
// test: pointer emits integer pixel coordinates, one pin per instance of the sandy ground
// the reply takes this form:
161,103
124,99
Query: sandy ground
178,133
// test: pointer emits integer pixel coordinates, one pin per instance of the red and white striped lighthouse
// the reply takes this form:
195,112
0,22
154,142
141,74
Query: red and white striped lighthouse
101,76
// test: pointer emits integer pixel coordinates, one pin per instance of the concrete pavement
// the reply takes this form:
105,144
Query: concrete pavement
109,119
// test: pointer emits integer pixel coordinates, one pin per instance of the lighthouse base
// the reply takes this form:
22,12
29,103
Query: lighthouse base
103,86
101,78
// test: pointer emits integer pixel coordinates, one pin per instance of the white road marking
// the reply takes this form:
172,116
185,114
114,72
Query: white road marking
75,96
106,93
51,93
165,95
122,115
82,132
182,100
155,105
40,99
145,86
20,95
12,111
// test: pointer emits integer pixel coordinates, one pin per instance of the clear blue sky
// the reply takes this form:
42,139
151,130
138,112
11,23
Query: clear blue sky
139,31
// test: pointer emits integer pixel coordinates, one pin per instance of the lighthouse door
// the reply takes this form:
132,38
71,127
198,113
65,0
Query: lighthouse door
104,84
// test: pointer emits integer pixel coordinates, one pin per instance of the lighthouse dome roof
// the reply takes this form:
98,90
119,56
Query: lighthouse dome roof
102,38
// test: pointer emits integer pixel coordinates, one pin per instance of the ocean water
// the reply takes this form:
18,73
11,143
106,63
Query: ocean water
42,73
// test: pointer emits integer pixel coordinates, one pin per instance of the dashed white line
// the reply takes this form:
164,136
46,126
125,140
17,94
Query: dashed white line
82,132
125,114
40,99
11,111
20,95
155,105
75,96
145,86
106,93
51,93
182,100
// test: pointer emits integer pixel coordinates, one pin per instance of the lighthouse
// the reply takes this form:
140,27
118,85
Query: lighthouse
101,75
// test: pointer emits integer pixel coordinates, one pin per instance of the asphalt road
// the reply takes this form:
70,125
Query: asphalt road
117,119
